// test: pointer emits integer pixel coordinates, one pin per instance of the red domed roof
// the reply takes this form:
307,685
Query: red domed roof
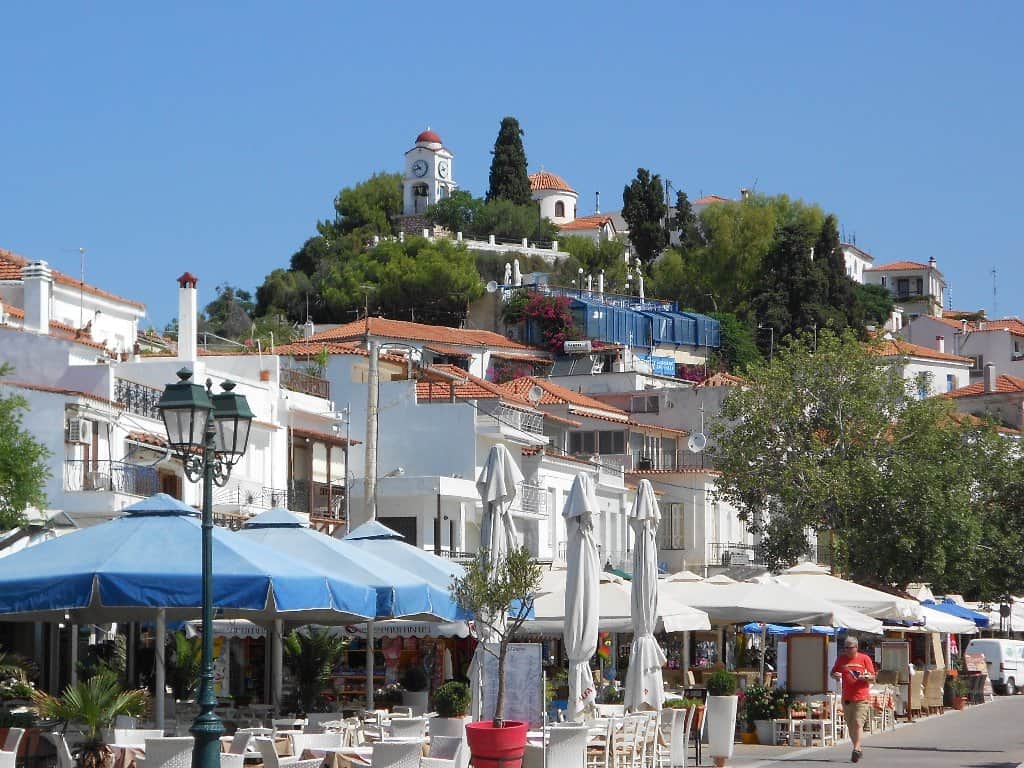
548,181
429,137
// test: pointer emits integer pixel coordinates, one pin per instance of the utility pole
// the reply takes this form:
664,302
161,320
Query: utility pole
372,401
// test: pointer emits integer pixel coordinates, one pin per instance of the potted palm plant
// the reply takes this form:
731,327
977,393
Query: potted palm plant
311,658
489,590
721,715
94,703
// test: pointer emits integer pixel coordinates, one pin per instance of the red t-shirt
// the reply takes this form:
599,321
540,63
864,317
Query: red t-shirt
854,688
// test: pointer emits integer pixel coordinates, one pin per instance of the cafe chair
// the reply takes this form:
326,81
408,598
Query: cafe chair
60,746
396,754
167,752
272,760
820,723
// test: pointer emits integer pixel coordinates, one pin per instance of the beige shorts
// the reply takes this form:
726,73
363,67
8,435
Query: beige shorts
857,712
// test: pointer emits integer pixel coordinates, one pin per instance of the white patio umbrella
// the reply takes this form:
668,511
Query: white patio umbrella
497,484
815,580
644,683
583,575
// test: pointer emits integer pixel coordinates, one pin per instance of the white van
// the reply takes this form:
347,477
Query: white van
1005,661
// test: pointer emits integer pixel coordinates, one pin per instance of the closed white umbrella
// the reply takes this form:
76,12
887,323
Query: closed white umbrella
643,677
581,601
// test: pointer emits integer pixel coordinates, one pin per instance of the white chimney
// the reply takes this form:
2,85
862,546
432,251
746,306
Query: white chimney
990,377
188,308
940,343
37,278
309,329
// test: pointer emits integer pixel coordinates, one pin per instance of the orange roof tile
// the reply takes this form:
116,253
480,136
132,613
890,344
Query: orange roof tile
443,349
586,222
59,391
545,180
1010,324
148,438
522,358
677,471
471,388
9,261
900,348
721,379
403,329
299,348
977,421
555,394
58,330
897,265
322,437
709,199
629,422
562,420
1005,385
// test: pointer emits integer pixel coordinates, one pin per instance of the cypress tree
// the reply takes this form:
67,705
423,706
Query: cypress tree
644,209
509,180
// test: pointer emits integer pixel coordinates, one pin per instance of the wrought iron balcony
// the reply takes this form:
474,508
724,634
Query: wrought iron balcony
117,476
137,398
726,554
530,500
300,381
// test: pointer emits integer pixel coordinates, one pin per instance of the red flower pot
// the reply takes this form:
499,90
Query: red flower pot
492,747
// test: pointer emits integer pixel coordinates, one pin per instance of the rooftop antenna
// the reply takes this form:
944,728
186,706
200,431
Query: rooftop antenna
995,300
81,283
949,296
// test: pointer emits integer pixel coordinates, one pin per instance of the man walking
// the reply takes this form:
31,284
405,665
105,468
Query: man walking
856,671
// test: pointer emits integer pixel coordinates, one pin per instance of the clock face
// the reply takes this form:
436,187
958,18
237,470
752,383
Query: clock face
442,169
419,168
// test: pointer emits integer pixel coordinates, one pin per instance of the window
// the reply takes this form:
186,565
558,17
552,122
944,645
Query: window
950,382
919,286
978,363
883,281
670,532
903,287
611,441
560,209
581,442
645,404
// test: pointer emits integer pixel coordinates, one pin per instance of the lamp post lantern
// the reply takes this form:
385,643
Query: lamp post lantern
209,433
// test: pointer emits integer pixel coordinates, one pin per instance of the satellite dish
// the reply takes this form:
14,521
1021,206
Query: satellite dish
698,442
492,286
535,393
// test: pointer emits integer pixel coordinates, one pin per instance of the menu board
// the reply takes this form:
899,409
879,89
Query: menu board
807,663
524,683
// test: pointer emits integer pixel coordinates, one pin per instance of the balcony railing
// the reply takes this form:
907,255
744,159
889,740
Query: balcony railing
299,381
530,500
137,398
246,494
515,419
726,554
107,475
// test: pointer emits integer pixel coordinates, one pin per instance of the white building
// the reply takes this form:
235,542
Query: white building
857,261
929,371
919,288
984,341
556,198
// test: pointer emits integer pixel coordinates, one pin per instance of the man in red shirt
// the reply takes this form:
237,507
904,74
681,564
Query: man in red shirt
856,671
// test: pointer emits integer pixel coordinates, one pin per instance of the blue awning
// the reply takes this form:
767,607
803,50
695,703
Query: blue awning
955,609
754,628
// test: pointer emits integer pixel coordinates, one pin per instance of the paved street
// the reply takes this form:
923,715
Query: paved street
988,736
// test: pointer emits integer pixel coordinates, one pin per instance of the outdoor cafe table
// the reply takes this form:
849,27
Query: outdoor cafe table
341,757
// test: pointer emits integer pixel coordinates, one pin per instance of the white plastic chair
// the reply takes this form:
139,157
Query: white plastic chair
674,743
396,755
257,733
446,752
235,756
272,760
304,741
408,727
316,720
60,746
170,752
136,737
567,746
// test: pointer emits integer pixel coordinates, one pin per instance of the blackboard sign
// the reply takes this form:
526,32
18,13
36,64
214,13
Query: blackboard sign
524,683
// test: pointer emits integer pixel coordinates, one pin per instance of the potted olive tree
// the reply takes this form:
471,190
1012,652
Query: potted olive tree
498,592
721,715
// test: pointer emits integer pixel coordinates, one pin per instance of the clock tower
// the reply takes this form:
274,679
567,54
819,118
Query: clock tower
428,174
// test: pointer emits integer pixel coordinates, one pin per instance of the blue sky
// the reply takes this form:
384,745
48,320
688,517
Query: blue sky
210,137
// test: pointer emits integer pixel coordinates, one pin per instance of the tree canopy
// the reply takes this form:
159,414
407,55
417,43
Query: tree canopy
23,469
830,439
508,178
644,209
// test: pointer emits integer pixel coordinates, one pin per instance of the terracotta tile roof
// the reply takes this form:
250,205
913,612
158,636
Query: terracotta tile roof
586,222
535,451
322,437
900,348
562,420
522,358
9,261
434,387
555,394
677,471
299,348
1005,385
709,199
894,266
546,180
58,330
402,329
977,421
1010,324
59,391
148,438
443,349
629,422
949,321
721,379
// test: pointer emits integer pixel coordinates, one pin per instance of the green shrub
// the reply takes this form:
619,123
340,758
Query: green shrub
452,699
721,683
415,679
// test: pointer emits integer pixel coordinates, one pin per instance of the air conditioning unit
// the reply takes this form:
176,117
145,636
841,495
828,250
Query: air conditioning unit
583,347
79,431
97,481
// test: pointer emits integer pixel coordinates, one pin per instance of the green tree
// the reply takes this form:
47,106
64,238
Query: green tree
510,221
644,209
370,207
23,470
456,212
876,303
739,344
508,178
593,258
686,223
828,438
230,314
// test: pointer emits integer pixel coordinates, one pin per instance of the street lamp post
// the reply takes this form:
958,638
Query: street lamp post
209,433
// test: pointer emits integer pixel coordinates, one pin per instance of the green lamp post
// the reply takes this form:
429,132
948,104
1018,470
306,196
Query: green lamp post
209,433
